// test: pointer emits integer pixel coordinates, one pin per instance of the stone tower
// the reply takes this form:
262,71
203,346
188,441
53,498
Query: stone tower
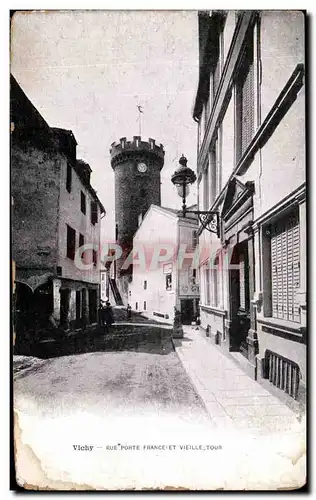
137,165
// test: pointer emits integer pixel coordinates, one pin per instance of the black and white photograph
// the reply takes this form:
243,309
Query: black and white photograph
158,250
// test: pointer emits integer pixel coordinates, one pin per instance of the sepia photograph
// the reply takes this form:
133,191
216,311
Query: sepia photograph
158,250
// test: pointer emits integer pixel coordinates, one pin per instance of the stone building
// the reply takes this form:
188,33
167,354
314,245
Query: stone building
55,211
250,110
137,165
162,278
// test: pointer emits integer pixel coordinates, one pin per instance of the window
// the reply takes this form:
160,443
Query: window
81,243
215,282
245,100
145,285
169,281
136,306
285,266
218,56
83,203
145,305
244,302
207,285
194,239
212,282
94,212
69,177
194,273
71,242
102,277
140,219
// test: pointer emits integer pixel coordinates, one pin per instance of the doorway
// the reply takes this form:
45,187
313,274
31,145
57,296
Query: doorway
64,306
92,306
187,311
239,299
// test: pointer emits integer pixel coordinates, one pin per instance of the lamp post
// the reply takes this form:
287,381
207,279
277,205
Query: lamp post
182,178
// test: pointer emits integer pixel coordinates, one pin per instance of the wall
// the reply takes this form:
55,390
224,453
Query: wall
282,48
35,192
70,213
283,157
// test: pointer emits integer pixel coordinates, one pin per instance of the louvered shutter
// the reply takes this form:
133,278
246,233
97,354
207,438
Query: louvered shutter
285,267
245,100
247,112
207,285
296,267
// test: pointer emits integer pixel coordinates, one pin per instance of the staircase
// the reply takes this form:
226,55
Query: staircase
116,293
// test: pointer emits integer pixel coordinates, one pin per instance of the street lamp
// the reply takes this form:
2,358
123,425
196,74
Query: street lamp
182,178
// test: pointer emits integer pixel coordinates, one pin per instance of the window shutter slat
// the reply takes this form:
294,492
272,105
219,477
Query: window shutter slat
285,267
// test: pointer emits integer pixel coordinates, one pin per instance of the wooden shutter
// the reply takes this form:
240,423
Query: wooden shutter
207,284
247,112
245,99
285,267
218,281
242,293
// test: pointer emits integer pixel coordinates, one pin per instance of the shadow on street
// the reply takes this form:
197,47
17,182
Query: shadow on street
139,338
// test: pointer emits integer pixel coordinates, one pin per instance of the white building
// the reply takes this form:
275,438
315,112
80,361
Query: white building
157,289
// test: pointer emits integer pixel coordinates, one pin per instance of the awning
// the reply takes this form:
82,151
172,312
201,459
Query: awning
33,278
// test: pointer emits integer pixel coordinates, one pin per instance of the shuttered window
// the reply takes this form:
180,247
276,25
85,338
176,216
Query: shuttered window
216,282
245,100
285,267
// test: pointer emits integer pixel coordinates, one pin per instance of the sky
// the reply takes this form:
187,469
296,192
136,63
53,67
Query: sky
87,71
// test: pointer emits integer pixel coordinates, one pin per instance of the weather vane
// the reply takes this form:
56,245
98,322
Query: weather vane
140,112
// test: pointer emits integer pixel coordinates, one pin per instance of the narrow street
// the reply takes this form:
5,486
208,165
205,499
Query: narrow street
145,394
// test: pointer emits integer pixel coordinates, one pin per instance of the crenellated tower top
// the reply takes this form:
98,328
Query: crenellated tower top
125,150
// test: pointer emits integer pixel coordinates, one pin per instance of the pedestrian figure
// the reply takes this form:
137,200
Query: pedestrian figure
108,316
129,311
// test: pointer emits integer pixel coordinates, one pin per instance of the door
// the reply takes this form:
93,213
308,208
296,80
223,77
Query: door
239,299
187,311
64,306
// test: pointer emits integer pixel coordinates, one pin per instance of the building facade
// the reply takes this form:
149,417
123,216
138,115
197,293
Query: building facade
161,284
55,212
137,165
250,110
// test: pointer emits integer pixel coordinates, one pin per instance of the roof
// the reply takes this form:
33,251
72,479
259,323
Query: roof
30,126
